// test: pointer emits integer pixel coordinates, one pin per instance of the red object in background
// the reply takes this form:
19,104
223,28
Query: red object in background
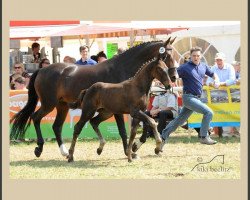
151,99
179,99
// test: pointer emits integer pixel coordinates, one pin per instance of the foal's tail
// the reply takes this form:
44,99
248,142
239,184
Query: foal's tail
78,102
20,119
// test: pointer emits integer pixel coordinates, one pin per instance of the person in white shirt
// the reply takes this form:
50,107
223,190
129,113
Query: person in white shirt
165,108
226,74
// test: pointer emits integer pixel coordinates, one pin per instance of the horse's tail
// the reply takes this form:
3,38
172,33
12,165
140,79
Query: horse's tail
78,102
20,119
81,96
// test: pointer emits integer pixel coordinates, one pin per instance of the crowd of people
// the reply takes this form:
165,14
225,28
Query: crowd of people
164,106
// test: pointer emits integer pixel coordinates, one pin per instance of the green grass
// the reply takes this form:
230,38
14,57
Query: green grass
181,154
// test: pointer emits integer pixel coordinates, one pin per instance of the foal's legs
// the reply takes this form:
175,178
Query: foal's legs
122,131
134,126
86,116
142,139
62,110
102,116
151,122
37,117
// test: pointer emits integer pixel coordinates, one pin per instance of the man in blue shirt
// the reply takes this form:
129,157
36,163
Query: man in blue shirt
192,74
84,57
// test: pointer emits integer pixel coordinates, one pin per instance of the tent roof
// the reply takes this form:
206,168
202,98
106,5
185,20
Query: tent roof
100,29
39,29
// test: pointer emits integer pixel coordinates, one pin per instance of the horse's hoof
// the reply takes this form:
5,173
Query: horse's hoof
37,152
99,151
157,151
134,147
70,159
134,156
129,160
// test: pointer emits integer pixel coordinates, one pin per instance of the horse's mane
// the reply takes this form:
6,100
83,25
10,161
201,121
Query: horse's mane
142,67
136,47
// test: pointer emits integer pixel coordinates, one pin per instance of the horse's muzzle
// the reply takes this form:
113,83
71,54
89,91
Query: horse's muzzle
173,78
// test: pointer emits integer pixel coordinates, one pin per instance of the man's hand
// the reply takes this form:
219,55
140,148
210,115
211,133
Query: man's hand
154,112
216,84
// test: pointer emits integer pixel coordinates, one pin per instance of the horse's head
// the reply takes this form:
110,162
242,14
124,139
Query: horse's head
165,53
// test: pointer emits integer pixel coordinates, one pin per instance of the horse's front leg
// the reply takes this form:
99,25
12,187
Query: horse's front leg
134,126
77,130
122,131
151,122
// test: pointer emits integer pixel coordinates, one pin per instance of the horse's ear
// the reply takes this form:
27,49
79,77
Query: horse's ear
172,41
167,42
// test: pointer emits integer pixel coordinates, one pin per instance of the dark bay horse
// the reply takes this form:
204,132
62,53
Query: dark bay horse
127,97
60,84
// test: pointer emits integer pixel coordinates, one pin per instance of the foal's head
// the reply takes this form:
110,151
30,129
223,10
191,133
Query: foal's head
160,70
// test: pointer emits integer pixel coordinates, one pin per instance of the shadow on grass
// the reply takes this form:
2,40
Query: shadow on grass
185,139
90,164
172,140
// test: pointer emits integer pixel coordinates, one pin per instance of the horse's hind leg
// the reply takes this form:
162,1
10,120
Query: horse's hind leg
37,117
135,123
122,131
151,122
102,116
62,110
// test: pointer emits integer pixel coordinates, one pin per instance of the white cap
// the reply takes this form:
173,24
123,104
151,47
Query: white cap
220,55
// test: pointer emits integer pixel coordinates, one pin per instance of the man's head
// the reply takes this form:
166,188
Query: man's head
84,52
68,59
35,47
20,83
220,59
236,66
195,55
101,56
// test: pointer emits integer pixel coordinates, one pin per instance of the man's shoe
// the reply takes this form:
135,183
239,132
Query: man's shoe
207,140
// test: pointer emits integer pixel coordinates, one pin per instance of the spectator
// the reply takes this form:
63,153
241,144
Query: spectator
192,74
235,131
18,70
44,63
68,59
101,56
84,57
164,109
20,83
226,74
35,51
236,66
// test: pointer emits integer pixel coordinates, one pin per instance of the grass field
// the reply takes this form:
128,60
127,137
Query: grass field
183,158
